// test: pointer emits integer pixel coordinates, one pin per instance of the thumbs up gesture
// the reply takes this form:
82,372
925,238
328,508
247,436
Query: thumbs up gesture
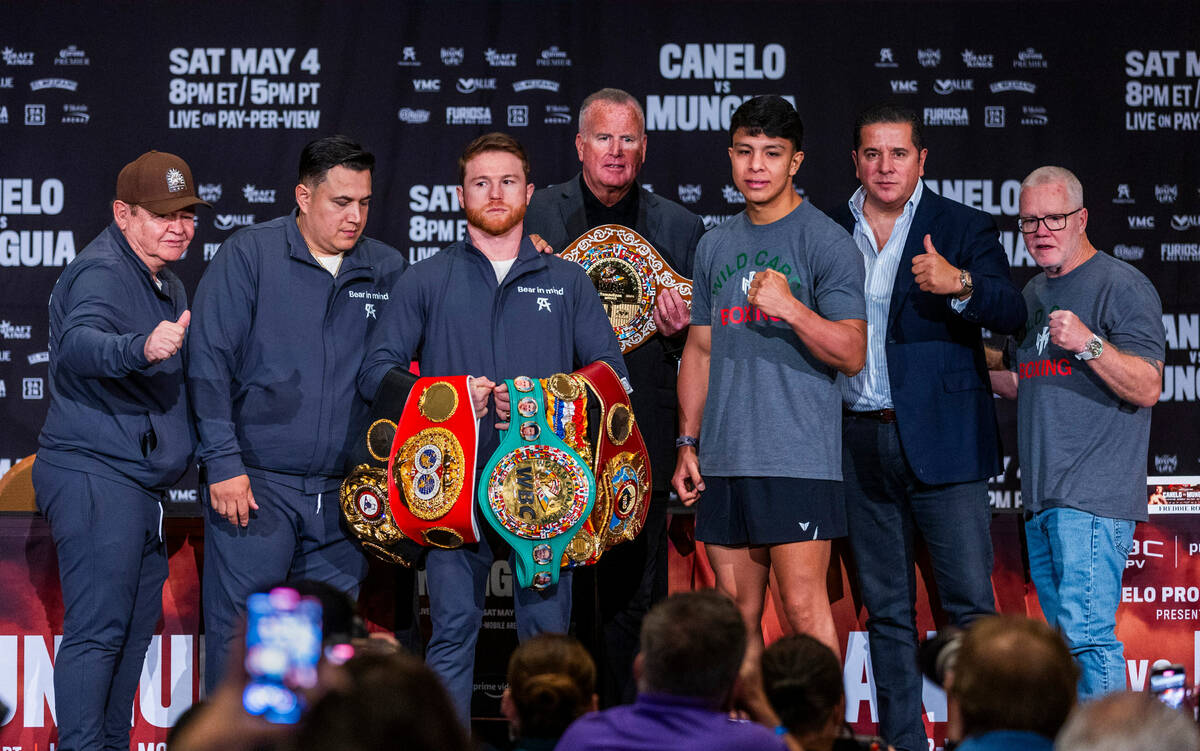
166,338
934,273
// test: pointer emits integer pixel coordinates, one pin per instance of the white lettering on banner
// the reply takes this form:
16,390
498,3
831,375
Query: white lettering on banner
693,112
150,702
1181,383
721,61
206,61
1183,330
17,196
36,248
433,198
1160,63
8,657
34,677
858,679
981,194
859,683
1014,248
421,252
423,229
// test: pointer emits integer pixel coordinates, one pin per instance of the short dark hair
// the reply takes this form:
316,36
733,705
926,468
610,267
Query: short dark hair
552,680
492,142
692,645
1014,673
803,681
771,116
384,697
888,112
323,154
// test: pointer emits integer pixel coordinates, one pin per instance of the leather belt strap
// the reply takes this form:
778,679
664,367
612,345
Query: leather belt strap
431,466
536,491
364,498
886,416
621,466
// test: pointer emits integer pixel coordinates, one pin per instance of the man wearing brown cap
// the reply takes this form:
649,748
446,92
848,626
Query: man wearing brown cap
118,433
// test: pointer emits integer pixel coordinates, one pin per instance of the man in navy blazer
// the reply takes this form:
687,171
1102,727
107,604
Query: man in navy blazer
920,437
611,144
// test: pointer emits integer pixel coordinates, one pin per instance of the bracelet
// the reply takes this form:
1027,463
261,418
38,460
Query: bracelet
686,440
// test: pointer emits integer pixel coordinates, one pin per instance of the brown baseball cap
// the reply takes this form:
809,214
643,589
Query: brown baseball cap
158,182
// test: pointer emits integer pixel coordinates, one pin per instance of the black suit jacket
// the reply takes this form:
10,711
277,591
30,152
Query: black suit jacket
939,381
557,214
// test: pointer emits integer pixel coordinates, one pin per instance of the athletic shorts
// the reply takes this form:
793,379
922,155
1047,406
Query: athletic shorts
741,511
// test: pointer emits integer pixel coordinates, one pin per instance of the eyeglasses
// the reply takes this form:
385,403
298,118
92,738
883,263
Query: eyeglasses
1054,222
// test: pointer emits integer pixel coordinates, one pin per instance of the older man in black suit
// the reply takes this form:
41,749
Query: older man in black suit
612,146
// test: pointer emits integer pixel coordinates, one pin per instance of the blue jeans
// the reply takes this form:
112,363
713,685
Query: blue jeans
457,583
886,507
1076,560
112,563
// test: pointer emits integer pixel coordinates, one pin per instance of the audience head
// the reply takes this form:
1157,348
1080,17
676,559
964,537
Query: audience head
384,701
692,645
1013,673
1128,721
551,682
803,681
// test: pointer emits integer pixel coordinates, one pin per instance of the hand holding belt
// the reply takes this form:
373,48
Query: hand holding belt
628,274
431,466
621,466
535,491
364,493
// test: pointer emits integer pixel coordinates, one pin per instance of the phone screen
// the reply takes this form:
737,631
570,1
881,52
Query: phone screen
283,645
1169,684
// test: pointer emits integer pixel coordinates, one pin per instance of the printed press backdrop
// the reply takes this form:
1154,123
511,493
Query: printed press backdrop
1111,91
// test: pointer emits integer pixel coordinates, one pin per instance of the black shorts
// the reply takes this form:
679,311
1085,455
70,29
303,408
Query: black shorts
740,511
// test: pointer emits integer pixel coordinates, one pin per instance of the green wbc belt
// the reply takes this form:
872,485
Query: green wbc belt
535,491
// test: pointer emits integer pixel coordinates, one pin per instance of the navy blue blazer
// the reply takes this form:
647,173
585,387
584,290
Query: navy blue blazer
558,215
939,381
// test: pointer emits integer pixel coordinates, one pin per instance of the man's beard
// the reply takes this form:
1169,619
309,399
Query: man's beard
496,225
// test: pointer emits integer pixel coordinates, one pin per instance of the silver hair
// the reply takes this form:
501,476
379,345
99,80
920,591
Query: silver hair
1061,175
1126,721
612,96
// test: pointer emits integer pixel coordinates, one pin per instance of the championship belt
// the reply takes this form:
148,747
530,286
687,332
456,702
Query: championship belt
431,465
364,493
535,491
628,274
620,464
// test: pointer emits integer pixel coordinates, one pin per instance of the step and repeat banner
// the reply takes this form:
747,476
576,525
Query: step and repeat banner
1111,91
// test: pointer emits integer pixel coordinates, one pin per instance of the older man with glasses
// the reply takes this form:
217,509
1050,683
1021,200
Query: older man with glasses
1088,368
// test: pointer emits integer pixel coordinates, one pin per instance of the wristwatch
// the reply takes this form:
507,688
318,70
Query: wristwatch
686,440
1092,349
968,286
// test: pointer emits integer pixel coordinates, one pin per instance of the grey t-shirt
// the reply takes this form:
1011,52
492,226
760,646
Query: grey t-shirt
1081,446
773,408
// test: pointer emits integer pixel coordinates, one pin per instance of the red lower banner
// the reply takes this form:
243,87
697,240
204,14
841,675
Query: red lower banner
1159,616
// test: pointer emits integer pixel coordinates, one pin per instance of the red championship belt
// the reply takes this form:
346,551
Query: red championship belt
431,467
620,464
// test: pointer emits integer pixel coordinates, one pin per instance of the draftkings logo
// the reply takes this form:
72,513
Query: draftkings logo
11,331
254,194
12,57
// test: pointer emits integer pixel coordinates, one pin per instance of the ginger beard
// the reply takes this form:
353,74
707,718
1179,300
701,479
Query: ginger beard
489,219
